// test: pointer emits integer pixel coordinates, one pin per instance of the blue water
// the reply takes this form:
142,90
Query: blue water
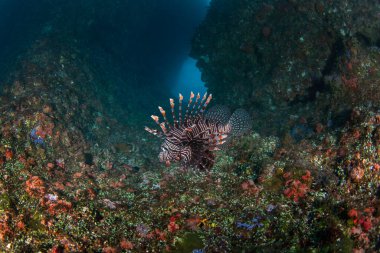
189,76
189,79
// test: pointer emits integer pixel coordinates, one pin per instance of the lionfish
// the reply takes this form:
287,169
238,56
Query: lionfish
192,140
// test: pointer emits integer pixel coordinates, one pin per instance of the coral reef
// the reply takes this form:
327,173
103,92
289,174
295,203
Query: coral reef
78,173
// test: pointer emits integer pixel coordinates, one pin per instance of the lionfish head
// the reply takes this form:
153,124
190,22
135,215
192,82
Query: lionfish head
173,152
168,153
192,139
164,154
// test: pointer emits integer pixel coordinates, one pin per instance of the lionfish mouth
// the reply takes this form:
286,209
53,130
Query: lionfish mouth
191,140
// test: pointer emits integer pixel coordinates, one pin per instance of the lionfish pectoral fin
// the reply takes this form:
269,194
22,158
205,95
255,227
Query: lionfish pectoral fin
218,113
167,163
240,122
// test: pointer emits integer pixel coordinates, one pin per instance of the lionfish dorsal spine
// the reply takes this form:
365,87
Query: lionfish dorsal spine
188,105
180,108
161,125
153,131
200,104
195,105
162,111
206,104
163,128
155,118
175,122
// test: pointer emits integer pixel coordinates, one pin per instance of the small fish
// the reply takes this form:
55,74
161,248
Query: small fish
192,139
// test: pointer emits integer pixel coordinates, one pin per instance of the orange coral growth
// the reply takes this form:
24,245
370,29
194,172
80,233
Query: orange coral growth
5,230
8,154
353,213
356,174
59,206
126,245
35,187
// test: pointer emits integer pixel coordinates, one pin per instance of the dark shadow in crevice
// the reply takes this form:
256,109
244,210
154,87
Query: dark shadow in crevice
363,40
318,83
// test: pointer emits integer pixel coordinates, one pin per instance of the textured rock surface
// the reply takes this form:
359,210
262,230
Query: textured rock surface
284,58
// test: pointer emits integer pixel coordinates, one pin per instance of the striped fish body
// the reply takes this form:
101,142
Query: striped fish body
192,141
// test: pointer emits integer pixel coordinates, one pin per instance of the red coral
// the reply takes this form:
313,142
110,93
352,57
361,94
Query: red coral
351,83
363,221
307,176
296,189
366,224
353,213
126,245
161,235
173,226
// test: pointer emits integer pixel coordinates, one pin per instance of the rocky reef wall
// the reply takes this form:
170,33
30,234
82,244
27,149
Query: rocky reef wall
289,59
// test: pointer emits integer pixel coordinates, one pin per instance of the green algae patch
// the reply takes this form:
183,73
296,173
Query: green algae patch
188,243
5,202
35,222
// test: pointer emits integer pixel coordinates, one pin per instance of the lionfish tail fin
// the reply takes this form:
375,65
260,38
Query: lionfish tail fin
240,122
